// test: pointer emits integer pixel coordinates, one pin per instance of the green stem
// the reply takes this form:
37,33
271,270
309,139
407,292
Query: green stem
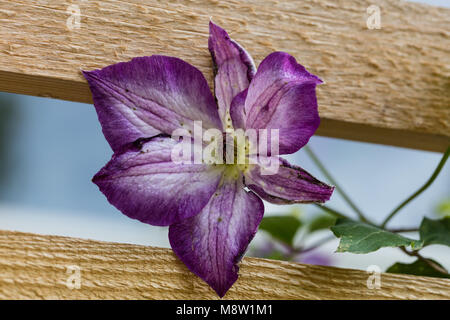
422,189
331,211
330,178
433,265
400,230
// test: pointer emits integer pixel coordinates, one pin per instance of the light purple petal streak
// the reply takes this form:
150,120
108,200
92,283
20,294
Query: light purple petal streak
237,111
291,184
150,95
282,96
144,183
214,241
234,67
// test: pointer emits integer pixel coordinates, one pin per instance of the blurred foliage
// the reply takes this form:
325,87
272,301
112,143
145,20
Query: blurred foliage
418,268
8,122
283,228
443,208
321,221
435,231
286,234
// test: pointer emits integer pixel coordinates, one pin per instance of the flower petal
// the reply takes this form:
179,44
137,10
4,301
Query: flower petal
282,96
144,183
213,242
237,110
150,95
234,68
291,184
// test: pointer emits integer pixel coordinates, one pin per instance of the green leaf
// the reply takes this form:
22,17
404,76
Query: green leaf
359,237
418,268
321,222
435,231
282,228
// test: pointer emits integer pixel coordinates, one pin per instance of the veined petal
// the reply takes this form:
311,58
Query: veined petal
282,96
142,181
237,110
150,95
213,242
234,68
291,184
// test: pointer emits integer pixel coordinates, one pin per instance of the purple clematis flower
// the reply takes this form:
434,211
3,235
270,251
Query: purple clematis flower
213,211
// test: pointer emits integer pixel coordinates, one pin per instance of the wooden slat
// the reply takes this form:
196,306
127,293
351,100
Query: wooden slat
389,86
35,267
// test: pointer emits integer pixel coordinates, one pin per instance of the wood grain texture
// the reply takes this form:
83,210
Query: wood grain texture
389,86
35,267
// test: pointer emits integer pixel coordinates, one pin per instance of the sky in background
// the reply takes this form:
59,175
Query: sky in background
50,149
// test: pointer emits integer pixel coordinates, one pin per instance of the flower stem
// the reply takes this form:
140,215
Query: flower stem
330,178
431,263
400,230
422,189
